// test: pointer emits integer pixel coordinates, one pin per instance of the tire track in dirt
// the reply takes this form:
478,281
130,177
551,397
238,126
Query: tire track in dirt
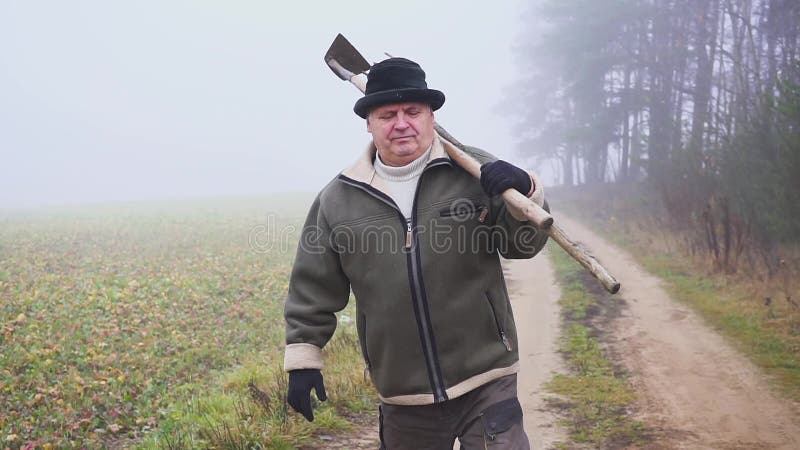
694,389
534,296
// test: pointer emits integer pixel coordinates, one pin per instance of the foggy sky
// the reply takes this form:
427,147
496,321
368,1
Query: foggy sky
104,101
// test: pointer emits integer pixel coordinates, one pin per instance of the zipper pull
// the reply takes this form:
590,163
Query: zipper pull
409,237
505,340
484,213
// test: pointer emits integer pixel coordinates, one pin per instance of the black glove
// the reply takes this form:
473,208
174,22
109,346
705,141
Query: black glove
300,383
497,176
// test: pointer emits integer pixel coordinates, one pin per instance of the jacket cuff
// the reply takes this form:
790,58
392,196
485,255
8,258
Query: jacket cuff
533,186
302,356
537,190
536,194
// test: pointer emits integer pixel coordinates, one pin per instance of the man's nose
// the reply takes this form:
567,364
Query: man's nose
401,121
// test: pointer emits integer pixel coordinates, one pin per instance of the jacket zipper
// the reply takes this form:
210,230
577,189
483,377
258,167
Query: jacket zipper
500,329
484,213
416,281
421,304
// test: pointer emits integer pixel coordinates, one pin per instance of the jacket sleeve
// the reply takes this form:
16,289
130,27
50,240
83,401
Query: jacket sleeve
318,288
518,238
521,239
525,240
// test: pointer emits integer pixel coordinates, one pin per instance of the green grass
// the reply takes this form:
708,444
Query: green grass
245,407
596,397
146,324
735,304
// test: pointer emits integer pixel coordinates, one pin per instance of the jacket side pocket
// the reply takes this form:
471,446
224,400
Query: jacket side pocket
500,328
362,335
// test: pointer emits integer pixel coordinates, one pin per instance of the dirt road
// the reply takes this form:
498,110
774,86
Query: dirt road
693,386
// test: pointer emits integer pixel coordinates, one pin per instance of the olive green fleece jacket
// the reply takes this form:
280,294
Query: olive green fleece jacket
433,314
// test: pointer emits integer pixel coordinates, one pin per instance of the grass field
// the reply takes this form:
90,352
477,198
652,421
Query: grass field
157,325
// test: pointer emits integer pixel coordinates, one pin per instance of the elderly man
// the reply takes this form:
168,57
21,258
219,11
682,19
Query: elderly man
417,240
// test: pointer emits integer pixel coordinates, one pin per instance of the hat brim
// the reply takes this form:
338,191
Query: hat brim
430,96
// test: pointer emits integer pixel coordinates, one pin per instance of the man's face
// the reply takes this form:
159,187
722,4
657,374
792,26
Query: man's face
402,132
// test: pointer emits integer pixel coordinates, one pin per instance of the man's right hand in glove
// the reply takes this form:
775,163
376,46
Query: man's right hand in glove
300,383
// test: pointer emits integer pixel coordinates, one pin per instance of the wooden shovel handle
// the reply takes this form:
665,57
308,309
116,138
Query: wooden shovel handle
585,259
535,213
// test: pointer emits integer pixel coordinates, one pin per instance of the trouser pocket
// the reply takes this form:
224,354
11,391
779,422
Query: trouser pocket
500,417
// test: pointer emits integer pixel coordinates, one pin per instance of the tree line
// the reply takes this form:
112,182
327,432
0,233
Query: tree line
699,98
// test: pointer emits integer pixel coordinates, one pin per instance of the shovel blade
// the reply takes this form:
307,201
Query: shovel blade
343,52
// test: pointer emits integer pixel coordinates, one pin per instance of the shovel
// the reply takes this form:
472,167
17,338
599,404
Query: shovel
348,64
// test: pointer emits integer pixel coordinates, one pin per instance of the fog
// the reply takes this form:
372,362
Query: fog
105,101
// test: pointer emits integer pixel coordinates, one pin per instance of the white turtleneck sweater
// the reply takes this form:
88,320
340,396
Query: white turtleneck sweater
402,181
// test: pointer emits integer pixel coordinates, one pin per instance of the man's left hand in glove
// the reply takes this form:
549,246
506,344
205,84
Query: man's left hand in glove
498,176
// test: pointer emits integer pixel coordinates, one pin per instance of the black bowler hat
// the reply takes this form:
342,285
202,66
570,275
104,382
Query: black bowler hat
396,80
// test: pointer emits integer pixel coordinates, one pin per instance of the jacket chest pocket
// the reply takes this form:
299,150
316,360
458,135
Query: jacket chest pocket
466,210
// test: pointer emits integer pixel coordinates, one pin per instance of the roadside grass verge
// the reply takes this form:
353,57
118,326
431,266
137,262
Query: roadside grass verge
758,313
596,396
157,325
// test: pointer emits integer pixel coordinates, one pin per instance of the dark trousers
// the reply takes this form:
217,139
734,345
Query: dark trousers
487,417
